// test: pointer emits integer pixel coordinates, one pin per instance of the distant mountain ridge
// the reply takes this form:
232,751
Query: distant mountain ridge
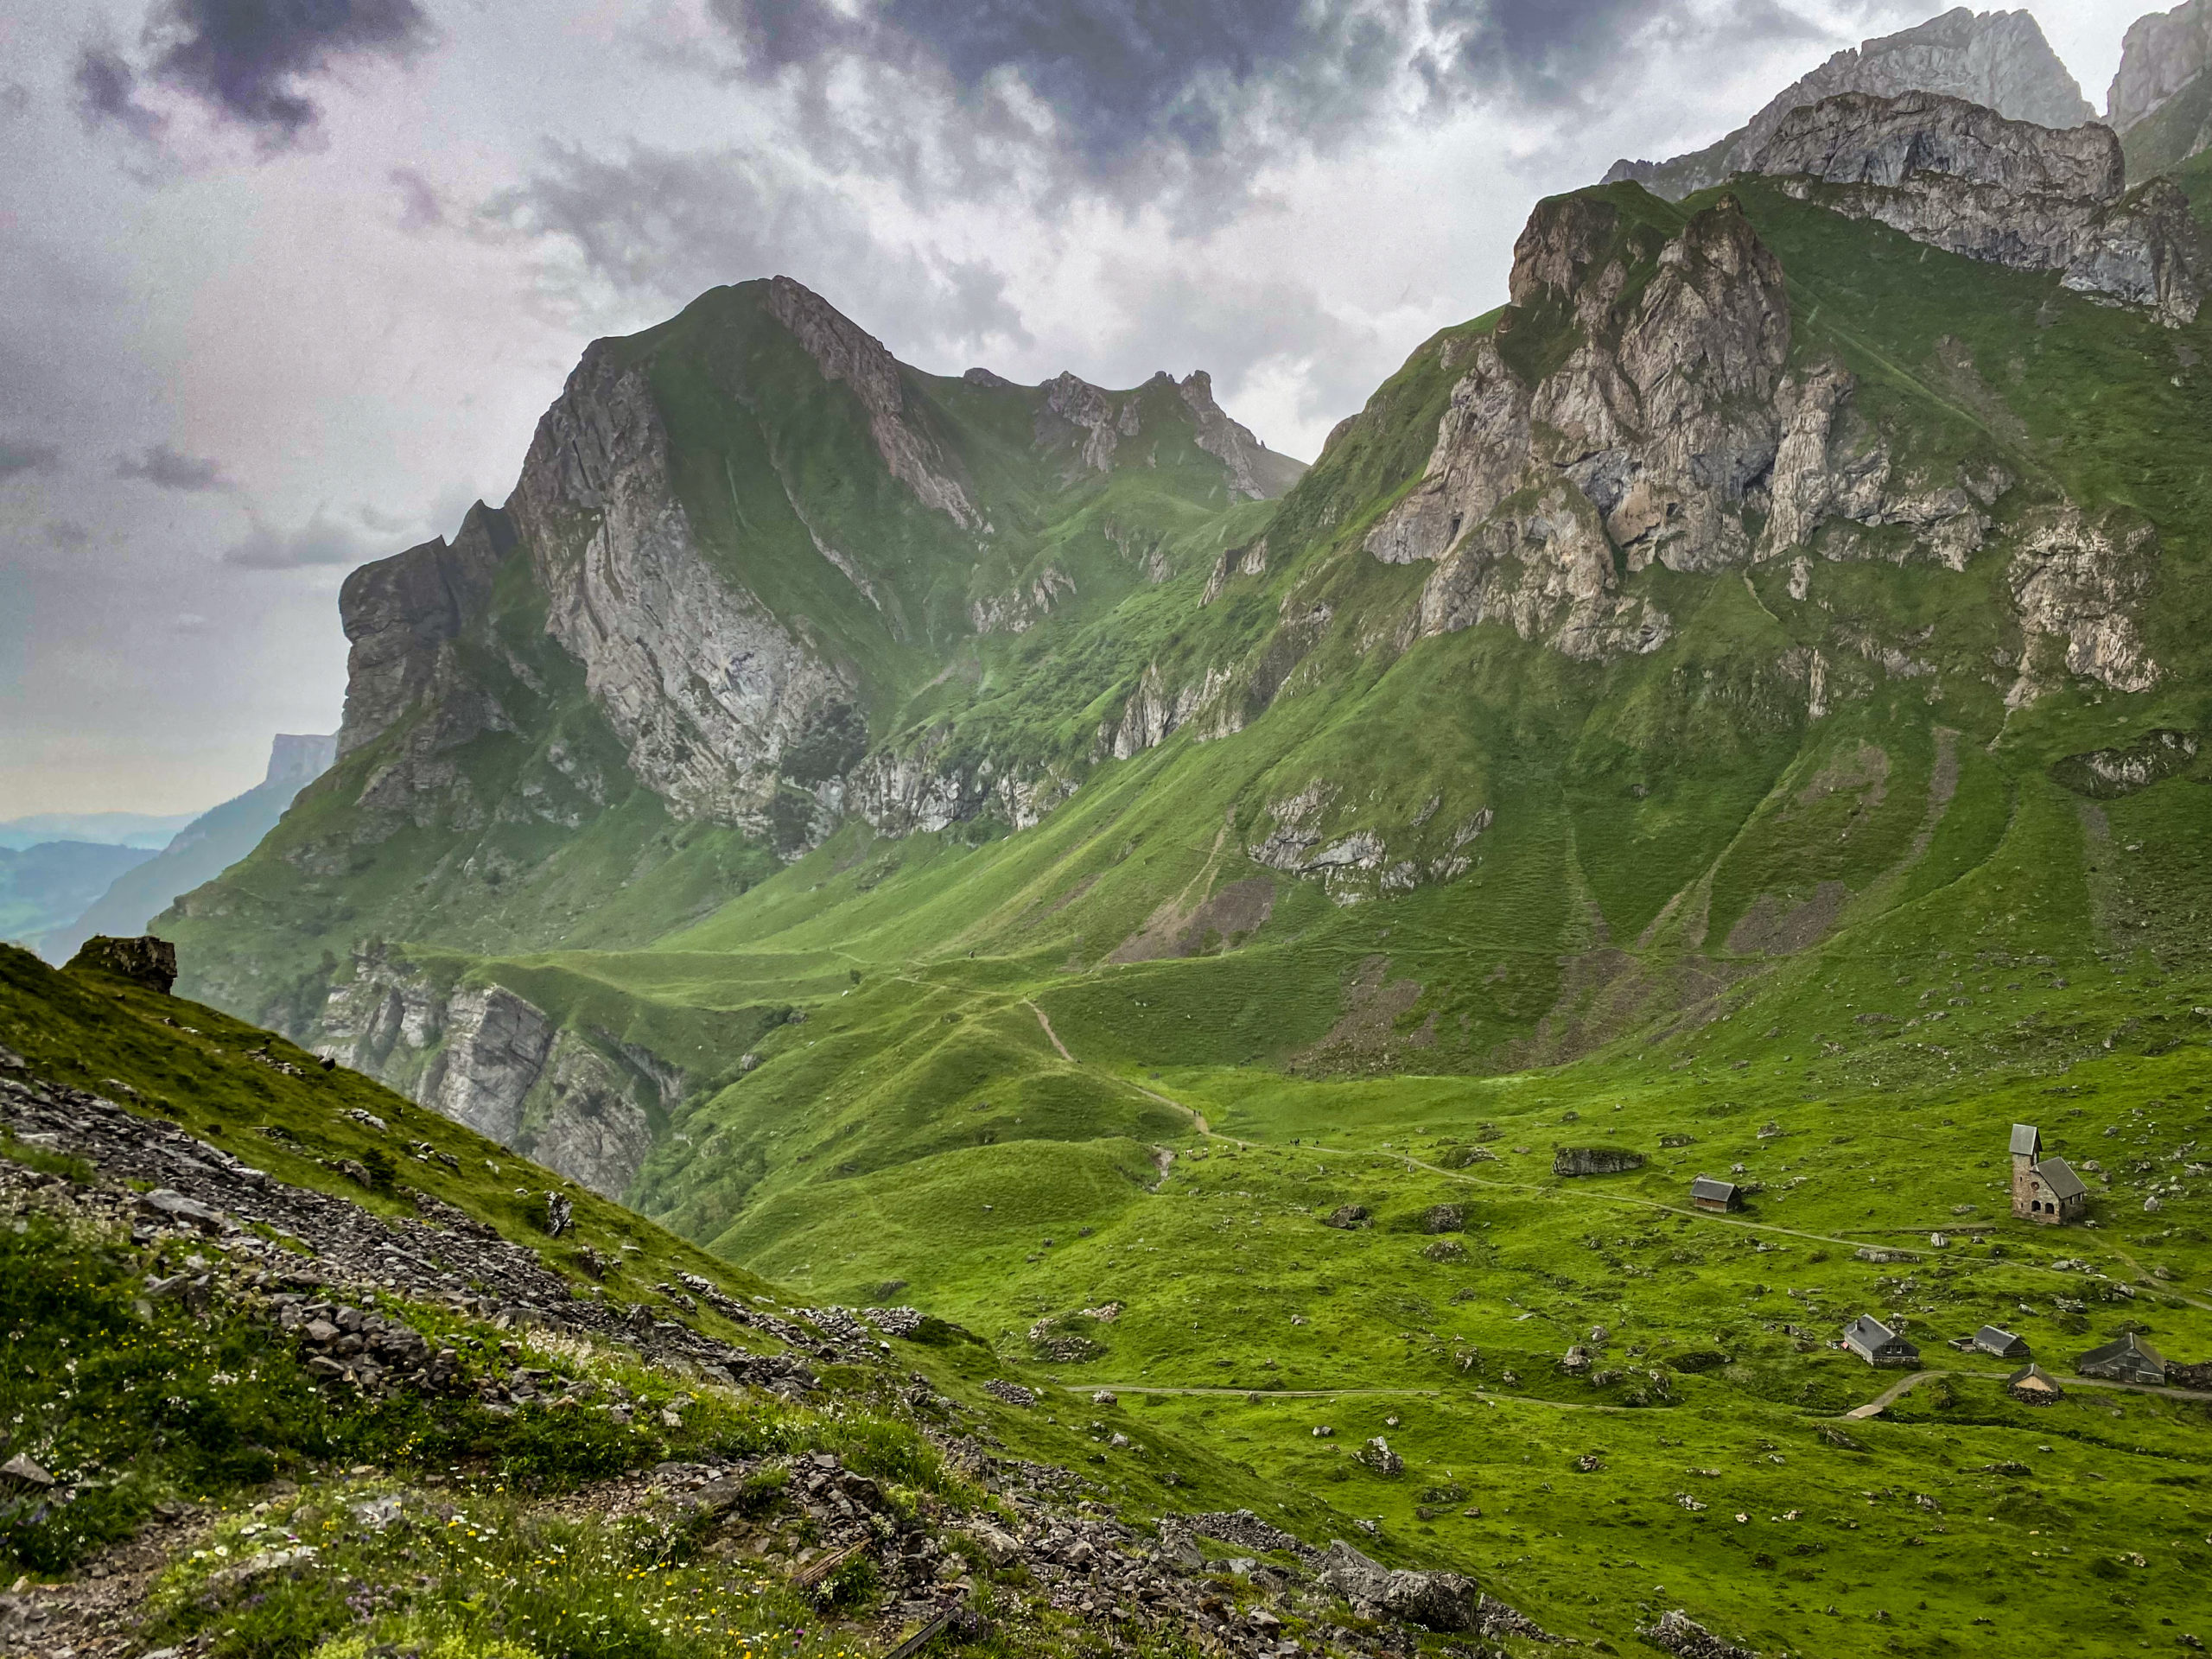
2160,101
151,832
785,663
198,852
44,883
1996,59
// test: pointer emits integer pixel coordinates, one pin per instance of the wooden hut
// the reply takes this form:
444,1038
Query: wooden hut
1711,1193
2031,1385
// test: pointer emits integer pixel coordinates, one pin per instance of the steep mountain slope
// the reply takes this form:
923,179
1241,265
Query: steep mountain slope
292,1377
1740,708
200,851
1996,59
2160,101
49,880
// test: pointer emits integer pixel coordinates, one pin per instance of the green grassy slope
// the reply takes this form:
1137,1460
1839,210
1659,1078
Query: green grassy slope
1115,1060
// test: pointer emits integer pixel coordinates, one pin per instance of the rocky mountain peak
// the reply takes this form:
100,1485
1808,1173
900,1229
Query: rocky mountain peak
1255,470
1963,178
847,352
400,614
2162,52
1997,59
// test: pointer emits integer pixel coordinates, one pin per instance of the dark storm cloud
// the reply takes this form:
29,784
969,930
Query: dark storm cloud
247,61
1186,97
1121,77
19,455
320,541
661,226
1553,52
169,470
107,92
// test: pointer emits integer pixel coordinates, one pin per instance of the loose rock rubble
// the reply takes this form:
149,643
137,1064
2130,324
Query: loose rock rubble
331,1244
804,1515
1679,1633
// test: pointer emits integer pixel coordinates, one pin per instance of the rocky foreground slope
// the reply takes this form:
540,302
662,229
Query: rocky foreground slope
434,1374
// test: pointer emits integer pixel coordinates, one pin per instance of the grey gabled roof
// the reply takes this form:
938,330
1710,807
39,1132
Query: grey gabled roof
1869,1331
2058,1175
1995,1339
1711,1187
2128,1346
2034,1371
2026,1142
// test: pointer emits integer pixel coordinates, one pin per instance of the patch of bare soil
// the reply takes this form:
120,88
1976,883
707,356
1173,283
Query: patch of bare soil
1767,928
1226,920
1367,1038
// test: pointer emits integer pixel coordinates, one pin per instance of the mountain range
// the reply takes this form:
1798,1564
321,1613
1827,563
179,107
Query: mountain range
1038,850
199,851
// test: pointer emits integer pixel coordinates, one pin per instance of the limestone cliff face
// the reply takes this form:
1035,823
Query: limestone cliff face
1964,179
485,1057
1639,449
703,683
1673,423
922,790
2162,52
402,614
1999,60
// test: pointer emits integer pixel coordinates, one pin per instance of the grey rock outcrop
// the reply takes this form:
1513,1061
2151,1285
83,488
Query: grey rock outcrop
1255,470
2162,53
485,1056
704,685
1967,179
144,961
1089,419
1595,1160
1997,59
1440,1601
924,789
1645,440
402,614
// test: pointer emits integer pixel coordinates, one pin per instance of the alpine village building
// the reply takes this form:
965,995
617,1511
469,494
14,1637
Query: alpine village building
2045,1191
1876,1344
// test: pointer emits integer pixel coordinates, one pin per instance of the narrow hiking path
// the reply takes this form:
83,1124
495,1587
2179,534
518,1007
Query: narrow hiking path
1896,1392
1053,1036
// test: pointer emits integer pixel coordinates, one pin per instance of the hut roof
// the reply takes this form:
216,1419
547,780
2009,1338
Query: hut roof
2058,1175
1711,1187
2129,1347
2027,1142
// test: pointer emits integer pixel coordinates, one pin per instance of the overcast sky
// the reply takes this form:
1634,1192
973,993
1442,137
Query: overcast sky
288,282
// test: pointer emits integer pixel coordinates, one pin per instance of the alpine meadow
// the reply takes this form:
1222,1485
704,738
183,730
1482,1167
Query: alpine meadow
991,1016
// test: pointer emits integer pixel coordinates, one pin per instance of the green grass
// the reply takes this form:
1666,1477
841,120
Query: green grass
1697,909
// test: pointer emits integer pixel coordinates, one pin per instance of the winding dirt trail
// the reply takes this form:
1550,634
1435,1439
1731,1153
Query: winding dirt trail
1053,1035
